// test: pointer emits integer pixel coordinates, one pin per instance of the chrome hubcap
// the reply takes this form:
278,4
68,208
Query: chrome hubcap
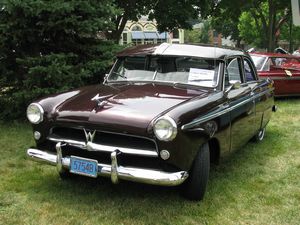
261,134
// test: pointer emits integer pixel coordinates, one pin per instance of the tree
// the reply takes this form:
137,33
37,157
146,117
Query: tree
169,14
225,19
249,32
191,36
264,17
269,16
205,32
292,36
49,46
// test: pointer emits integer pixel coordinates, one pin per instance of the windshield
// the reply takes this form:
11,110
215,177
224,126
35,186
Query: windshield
258,61
186,70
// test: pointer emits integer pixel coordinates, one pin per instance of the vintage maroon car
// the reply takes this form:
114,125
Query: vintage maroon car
283,69
162,115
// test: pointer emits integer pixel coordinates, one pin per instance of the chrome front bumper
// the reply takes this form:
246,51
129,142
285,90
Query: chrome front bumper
114,170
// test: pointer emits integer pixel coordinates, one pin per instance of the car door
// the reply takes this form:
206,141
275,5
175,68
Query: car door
240,103
259,99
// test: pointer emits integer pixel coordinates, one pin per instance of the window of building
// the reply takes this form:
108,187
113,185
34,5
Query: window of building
149,27
137,41
125,38
136,28
176,33
215,34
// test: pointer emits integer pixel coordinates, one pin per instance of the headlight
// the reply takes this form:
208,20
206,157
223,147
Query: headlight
35,113
165,128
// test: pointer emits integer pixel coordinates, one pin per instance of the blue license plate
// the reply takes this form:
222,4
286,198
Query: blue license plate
82,166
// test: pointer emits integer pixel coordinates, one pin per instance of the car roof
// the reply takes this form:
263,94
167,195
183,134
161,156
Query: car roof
166,49
271,54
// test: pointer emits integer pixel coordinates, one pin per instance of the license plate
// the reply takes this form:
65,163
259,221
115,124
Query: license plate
82,166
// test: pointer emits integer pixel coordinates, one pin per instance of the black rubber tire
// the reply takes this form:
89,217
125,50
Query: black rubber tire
260,135
195,186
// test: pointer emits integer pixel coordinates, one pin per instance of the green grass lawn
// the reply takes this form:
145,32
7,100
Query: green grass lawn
259,184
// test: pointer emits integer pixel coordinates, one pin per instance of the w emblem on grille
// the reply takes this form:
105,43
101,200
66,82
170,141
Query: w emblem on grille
89,136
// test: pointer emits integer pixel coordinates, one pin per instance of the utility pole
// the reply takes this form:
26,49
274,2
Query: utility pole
291,50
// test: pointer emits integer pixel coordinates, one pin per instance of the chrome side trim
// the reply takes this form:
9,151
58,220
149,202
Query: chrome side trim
147,176
90,146
285,78
219,112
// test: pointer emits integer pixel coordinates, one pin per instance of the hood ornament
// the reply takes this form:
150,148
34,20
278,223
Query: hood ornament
100,100
89,136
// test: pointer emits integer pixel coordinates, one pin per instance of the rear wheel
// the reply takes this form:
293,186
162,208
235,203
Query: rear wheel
195,186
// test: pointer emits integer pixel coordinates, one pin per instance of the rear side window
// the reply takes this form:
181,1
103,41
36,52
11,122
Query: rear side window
248,71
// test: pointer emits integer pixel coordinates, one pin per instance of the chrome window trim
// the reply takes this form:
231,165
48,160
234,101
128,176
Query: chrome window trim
219,74
110,72
232,57
250,62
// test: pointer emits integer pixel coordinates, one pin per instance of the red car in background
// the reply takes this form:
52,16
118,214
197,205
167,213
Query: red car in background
283,69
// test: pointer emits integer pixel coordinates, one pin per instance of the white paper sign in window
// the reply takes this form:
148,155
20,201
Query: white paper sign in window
200,75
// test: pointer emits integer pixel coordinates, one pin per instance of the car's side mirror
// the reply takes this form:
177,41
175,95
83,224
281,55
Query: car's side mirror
234,84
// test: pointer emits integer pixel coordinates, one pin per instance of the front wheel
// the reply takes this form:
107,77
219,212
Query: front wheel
195,186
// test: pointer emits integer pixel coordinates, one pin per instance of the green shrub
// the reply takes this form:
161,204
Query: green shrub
48,46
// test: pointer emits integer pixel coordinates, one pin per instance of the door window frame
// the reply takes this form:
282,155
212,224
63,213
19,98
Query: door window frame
252,67
239,58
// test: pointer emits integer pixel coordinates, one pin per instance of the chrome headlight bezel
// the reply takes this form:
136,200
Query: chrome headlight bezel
39,113
171,128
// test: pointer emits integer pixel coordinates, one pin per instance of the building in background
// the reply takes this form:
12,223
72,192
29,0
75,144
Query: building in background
145,32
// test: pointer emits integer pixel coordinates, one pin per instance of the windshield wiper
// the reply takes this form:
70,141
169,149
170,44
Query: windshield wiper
184,85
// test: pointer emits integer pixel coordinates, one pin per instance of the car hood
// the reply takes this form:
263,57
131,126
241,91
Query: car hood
127,107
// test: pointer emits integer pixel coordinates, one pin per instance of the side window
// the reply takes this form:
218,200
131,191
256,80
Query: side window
248,71
233,71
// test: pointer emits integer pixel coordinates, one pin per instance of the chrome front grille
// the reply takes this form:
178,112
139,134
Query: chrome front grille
104,141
